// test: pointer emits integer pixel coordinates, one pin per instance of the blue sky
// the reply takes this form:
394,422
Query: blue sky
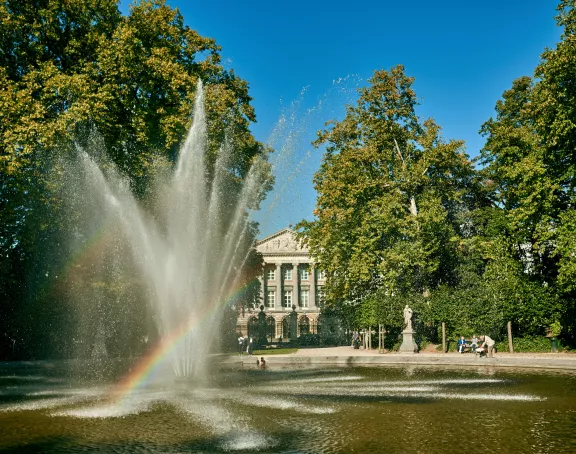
305,59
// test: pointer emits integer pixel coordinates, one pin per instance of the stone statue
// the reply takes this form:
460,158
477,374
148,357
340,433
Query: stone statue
408,318
408,344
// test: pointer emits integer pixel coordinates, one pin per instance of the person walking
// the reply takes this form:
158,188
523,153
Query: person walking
249,346
241,344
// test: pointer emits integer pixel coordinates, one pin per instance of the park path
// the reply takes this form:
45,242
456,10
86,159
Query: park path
349,351
348,356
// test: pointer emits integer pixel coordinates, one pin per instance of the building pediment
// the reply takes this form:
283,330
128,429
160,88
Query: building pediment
283,241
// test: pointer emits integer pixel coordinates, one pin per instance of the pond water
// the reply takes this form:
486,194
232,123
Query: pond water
294,410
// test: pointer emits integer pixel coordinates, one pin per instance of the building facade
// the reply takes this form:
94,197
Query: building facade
290,283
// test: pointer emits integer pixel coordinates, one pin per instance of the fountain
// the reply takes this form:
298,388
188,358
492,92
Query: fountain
294,409
190,255
187,256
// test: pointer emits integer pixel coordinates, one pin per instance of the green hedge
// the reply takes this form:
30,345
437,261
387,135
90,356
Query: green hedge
309,340
275,351
528,345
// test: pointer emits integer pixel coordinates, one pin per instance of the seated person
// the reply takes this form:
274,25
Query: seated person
461,344
474,343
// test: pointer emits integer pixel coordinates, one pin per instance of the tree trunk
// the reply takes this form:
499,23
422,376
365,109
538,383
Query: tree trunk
413,209
510,344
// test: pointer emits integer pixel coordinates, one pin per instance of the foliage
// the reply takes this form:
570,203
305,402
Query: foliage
387,308
565,249
555,329
403,218
132,77
309,340
536,344
529,158
70,67
484,301
365,315
389,190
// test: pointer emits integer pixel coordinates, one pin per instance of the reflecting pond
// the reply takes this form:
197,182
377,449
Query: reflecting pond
294,410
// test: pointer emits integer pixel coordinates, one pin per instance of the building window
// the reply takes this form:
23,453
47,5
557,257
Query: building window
270,274
321,274
270,299
252,328
320,297
287,274
304,273
304,298
286,328
270,328
288,299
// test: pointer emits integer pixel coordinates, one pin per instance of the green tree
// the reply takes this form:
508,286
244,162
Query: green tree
554,114
516,164
529,157
70,67
390,189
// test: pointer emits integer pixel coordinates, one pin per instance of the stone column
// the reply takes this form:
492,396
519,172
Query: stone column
296,286
312,279
278,277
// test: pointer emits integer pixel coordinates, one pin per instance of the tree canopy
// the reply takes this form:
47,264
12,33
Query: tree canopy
68,68
404,215
529,158
391,192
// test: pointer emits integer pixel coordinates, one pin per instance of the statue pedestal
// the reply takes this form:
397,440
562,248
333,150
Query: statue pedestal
293,325
408,344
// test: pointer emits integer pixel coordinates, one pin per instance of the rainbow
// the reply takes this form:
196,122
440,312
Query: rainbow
144,370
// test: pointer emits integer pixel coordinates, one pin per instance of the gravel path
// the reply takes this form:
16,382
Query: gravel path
349,351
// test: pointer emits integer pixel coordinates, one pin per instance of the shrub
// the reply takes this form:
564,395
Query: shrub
422,344
330,340
527,345
309,340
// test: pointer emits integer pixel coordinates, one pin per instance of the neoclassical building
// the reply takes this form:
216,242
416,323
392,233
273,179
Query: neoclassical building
289,283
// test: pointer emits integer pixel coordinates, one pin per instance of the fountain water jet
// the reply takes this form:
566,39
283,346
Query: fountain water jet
191,255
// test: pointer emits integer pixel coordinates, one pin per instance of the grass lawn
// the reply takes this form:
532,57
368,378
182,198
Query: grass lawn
275,351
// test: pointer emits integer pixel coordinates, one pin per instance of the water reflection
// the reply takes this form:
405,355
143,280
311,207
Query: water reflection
297,410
